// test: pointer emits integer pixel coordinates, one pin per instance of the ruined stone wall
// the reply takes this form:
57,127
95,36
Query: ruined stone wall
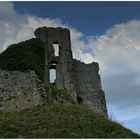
88,85
64,68
20,90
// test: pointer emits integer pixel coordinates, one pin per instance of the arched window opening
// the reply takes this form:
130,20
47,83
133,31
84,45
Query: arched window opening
56,48
79,100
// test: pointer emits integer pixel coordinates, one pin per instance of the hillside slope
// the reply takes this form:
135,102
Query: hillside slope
60,116
59,120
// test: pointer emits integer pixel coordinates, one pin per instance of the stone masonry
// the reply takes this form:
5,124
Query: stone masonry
20,90
81,80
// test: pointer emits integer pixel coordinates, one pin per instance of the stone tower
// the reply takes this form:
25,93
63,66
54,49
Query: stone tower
81,80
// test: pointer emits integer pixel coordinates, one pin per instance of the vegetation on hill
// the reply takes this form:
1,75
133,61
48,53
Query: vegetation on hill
60,116
58,95
27,55
60,120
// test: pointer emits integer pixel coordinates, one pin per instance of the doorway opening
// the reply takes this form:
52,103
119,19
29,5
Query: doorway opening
79,100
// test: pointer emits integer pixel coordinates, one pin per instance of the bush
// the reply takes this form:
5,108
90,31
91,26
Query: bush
27,55
58,95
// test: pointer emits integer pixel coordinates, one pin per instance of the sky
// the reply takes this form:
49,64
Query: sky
105,32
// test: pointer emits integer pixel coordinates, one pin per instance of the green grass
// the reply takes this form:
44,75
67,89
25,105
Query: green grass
60,121
27,55
58,95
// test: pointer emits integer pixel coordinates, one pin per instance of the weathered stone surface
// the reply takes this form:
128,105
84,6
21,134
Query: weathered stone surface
81,80
20,90
88,85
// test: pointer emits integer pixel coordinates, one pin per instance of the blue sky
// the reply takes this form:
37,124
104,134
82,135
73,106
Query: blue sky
106,32
92,18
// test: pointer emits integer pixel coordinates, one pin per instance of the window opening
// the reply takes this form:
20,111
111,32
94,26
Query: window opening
56,49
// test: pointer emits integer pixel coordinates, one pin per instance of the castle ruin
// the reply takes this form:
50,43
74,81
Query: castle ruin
81,80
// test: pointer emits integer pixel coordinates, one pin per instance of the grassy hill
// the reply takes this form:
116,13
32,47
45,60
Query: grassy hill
60,117
60,120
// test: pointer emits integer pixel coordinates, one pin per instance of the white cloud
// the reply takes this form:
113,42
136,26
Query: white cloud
7,9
